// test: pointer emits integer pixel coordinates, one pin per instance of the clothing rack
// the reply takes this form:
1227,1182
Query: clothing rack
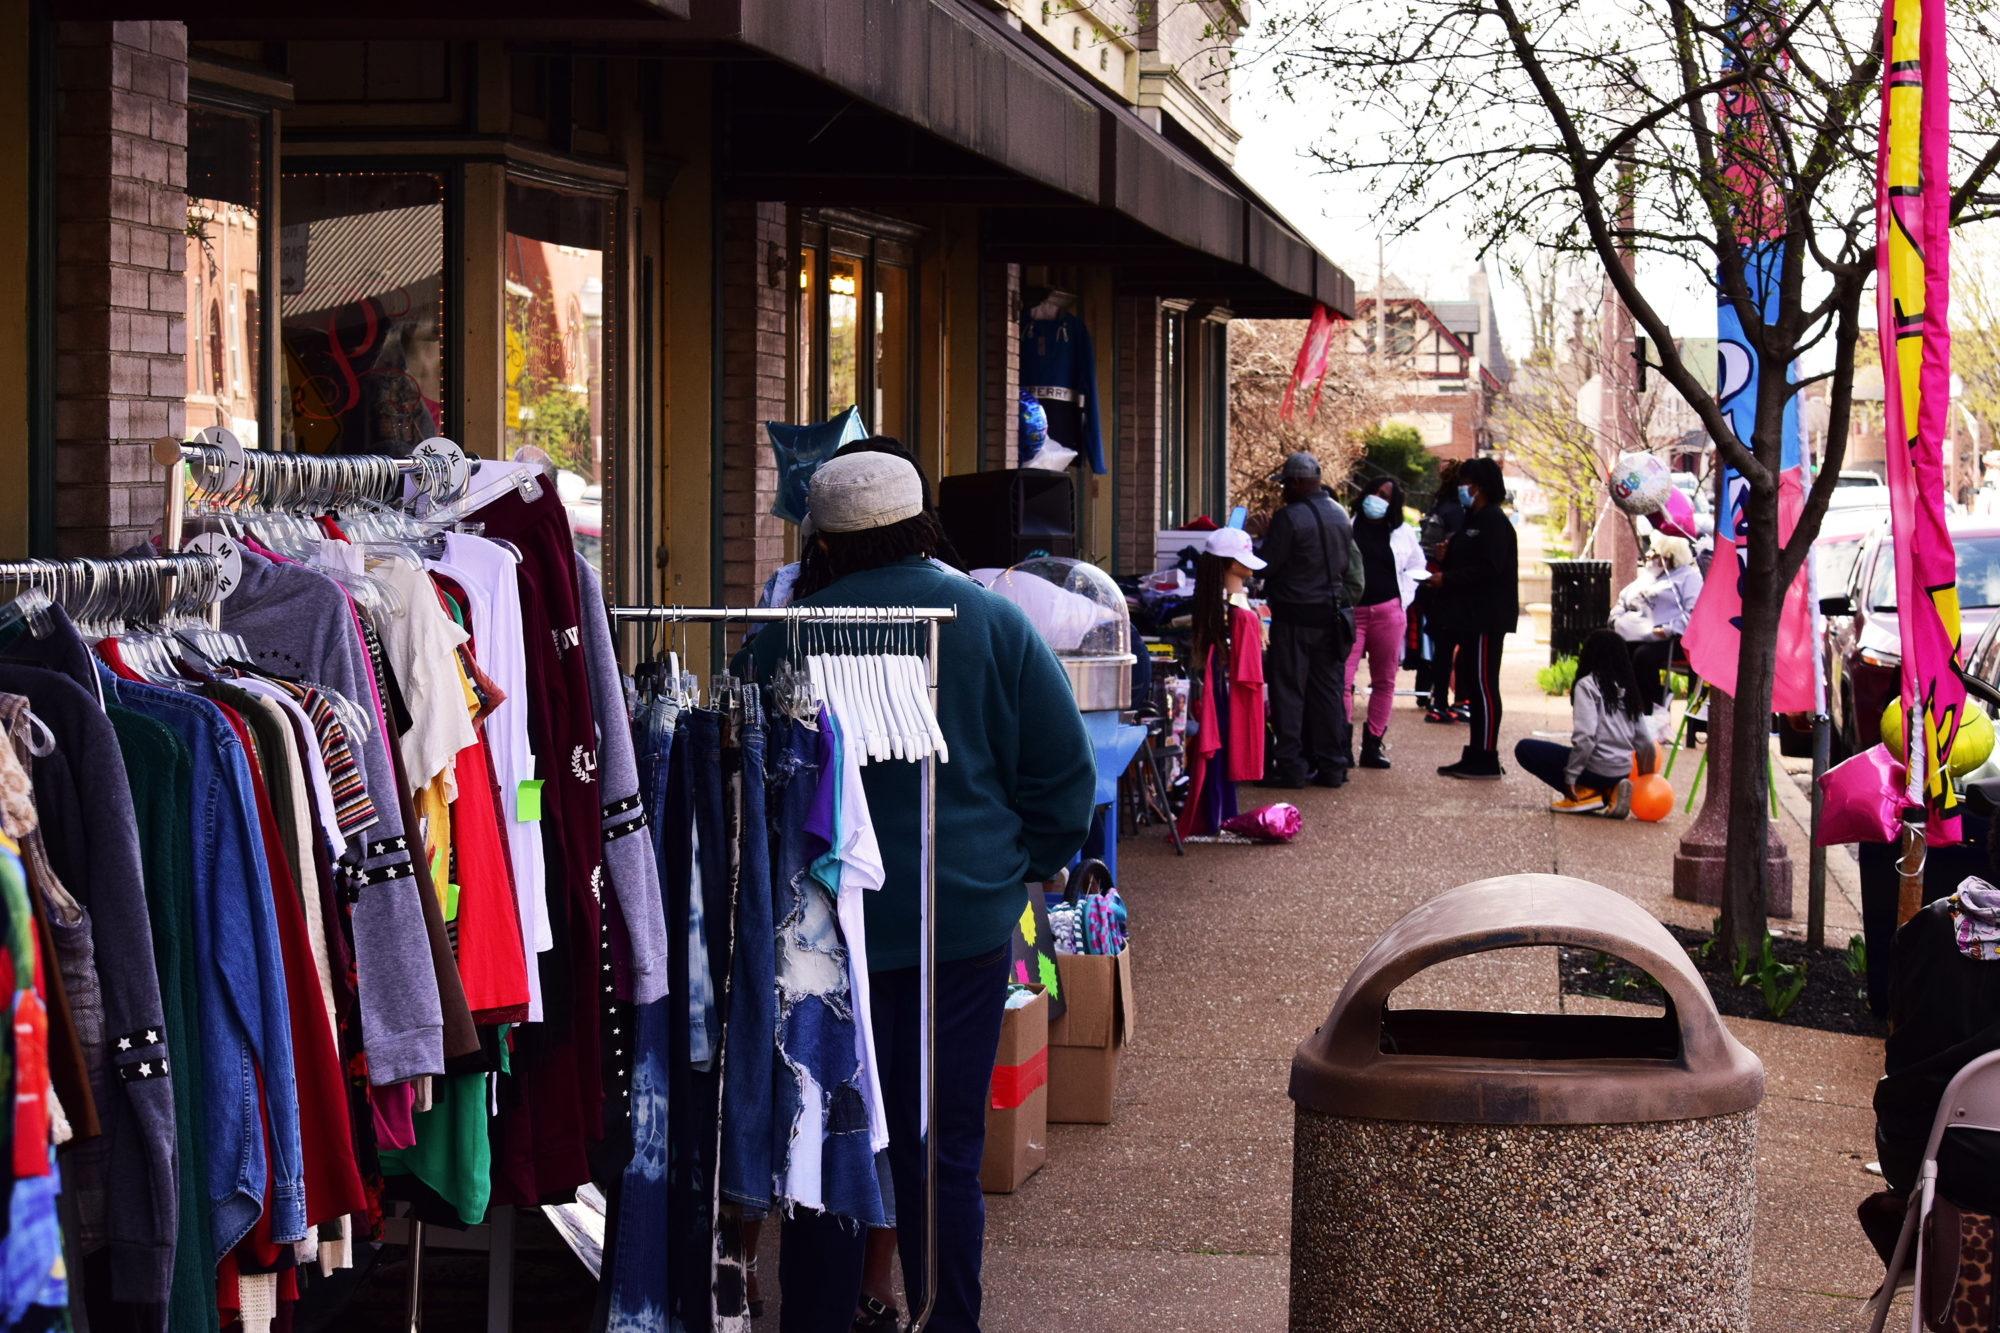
930,617
124,585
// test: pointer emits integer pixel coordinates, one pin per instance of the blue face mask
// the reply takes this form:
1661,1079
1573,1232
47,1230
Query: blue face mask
1374,506
1465,496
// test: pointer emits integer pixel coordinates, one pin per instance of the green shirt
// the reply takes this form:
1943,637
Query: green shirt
1015,800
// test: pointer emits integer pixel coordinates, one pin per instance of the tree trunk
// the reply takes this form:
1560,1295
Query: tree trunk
1745,893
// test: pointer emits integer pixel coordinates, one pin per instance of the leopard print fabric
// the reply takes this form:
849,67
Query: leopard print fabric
1972,1300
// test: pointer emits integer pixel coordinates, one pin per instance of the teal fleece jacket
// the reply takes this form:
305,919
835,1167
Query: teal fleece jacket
1013,803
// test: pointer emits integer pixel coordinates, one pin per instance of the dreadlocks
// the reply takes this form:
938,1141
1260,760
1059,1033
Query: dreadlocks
835,555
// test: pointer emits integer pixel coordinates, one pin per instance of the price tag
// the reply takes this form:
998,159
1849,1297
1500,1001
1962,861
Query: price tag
528,801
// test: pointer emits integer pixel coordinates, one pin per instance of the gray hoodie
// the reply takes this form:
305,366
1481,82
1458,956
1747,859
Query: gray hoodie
298,624
1601,738
628,860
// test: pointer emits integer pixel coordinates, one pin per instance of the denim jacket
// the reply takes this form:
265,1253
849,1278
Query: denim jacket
245,1023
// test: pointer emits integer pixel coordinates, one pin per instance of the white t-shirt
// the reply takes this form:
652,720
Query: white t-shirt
485,570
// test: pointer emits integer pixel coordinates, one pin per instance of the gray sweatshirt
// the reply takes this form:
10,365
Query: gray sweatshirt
1601,738
298,624
628,857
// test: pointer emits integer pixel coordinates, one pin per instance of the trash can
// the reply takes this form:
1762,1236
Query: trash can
1579,602
1460,1171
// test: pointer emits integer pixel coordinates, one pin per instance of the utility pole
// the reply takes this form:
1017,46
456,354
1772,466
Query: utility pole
1381,305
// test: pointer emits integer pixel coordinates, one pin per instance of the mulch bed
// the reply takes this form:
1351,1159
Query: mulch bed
1833,1001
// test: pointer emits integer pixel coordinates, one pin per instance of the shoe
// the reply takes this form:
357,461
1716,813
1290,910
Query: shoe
1620,804
1281,783
1443,716
1371,751
1463,712
1332,776
1475,766
1585,802
872,1316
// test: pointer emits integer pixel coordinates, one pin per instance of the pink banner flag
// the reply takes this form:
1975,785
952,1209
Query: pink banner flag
1715,628
1912,287
1310,367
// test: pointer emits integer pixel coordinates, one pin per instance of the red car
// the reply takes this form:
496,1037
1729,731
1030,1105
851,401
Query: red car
1864,643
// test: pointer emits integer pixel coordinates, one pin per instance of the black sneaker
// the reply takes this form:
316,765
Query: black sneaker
1442,716
1330,777
1463,712
1281,783
1475,767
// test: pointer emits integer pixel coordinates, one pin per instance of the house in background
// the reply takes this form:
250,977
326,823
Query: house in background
1450,355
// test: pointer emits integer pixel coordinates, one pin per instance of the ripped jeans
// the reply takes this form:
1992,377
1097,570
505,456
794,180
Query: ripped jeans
819,1124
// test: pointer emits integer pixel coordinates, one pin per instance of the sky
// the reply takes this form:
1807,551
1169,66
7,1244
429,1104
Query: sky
1339,217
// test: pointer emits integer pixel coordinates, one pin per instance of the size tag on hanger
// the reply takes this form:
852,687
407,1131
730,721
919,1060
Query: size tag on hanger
227,554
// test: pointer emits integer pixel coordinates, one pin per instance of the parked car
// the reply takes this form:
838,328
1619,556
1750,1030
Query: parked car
1864,643
1835,553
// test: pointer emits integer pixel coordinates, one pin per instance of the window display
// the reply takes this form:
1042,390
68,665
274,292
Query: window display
224,246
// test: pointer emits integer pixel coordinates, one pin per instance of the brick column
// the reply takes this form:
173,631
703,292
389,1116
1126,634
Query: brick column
121,300
1000,332
753,392
1137,465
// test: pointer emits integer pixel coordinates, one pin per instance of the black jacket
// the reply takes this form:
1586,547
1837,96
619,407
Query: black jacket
1945,1012
1479,584
1306,550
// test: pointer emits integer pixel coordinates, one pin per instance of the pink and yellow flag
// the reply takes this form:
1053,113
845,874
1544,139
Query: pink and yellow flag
1912,286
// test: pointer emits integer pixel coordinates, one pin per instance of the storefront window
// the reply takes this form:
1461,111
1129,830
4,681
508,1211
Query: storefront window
853,330
555,345
843,333
224,244
891,411
361,303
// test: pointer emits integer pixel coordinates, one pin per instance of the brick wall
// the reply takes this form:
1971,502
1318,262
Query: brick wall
1137,449
1000,336
121,214
753,392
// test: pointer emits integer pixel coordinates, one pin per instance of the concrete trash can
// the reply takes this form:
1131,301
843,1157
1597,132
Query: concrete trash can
1476,1171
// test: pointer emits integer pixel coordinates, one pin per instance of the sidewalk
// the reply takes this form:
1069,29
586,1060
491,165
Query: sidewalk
1177,1215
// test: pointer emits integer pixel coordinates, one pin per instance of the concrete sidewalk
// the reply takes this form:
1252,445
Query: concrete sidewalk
1177,1215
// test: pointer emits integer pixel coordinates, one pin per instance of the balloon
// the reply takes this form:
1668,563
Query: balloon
1676,516
1972,747
1640,483
1652,797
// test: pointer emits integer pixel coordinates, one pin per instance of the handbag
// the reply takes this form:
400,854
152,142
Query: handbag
1089,922
1956,1283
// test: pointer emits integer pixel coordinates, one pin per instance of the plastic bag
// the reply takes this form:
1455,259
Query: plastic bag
1271,823
800,450
1862,799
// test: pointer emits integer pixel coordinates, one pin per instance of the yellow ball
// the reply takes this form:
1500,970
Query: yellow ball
1973,746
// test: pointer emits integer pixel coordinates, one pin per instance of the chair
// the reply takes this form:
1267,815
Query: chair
1971,1101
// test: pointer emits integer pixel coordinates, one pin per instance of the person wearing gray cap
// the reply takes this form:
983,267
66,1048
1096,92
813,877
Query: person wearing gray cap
1312,578
1013,806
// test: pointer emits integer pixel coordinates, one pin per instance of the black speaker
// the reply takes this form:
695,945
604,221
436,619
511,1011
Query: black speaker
1002,518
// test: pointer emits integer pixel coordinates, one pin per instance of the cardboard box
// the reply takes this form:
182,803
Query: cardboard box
1084,1043
1017,1107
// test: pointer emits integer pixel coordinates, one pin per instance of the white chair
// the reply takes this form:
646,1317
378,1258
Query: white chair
1971,1101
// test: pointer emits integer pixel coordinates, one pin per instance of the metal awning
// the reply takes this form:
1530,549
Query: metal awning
960,75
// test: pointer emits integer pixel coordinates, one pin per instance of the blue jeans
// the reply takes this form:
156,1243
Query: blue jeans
746,1085
821,1268
1549,762
246,1026
816,1104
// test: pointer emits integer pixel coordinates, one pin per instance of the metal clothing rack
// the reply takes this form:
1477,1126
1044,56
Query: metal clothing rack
930,617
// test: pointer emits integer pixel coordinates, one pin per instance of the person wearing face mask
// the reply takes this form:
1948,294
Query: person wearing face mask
1393,566
1654,608
1436,676
1479,580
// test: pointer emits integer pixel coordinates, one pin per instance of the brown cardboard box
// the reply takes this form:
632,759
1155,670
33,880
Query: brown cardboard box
1017,1109
1084,1043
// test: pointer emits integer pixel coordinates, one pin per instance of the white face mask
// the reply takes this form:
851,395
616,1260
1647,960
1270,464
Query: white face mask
1374,506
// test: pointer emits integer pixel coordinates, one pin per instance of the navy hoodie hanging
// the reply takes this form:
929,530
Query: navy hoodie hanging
1059,368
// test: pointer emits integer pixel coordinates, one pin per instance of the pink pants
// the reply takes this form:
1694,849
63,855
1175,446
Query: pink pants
1378,632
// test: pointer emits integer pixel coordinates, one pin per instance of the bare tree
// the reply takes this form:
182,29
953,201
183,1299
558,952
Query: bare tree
1975,327
1726,124
1356,394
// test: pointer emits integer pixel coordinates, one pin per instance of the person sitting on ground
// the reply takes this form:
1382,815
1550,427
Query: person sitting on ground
1653,609
1944,1012
1593,772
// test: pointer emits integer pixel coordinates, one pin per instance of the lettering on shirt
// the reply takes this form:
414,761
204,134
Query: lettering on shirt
583,763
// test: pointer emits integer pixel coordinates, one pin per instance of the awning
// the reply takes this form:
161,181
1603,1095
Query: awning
960,74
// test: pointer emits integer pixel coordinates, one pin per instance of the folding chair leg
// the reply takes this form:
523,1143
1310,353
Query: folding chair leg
1886,1297
1699,769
